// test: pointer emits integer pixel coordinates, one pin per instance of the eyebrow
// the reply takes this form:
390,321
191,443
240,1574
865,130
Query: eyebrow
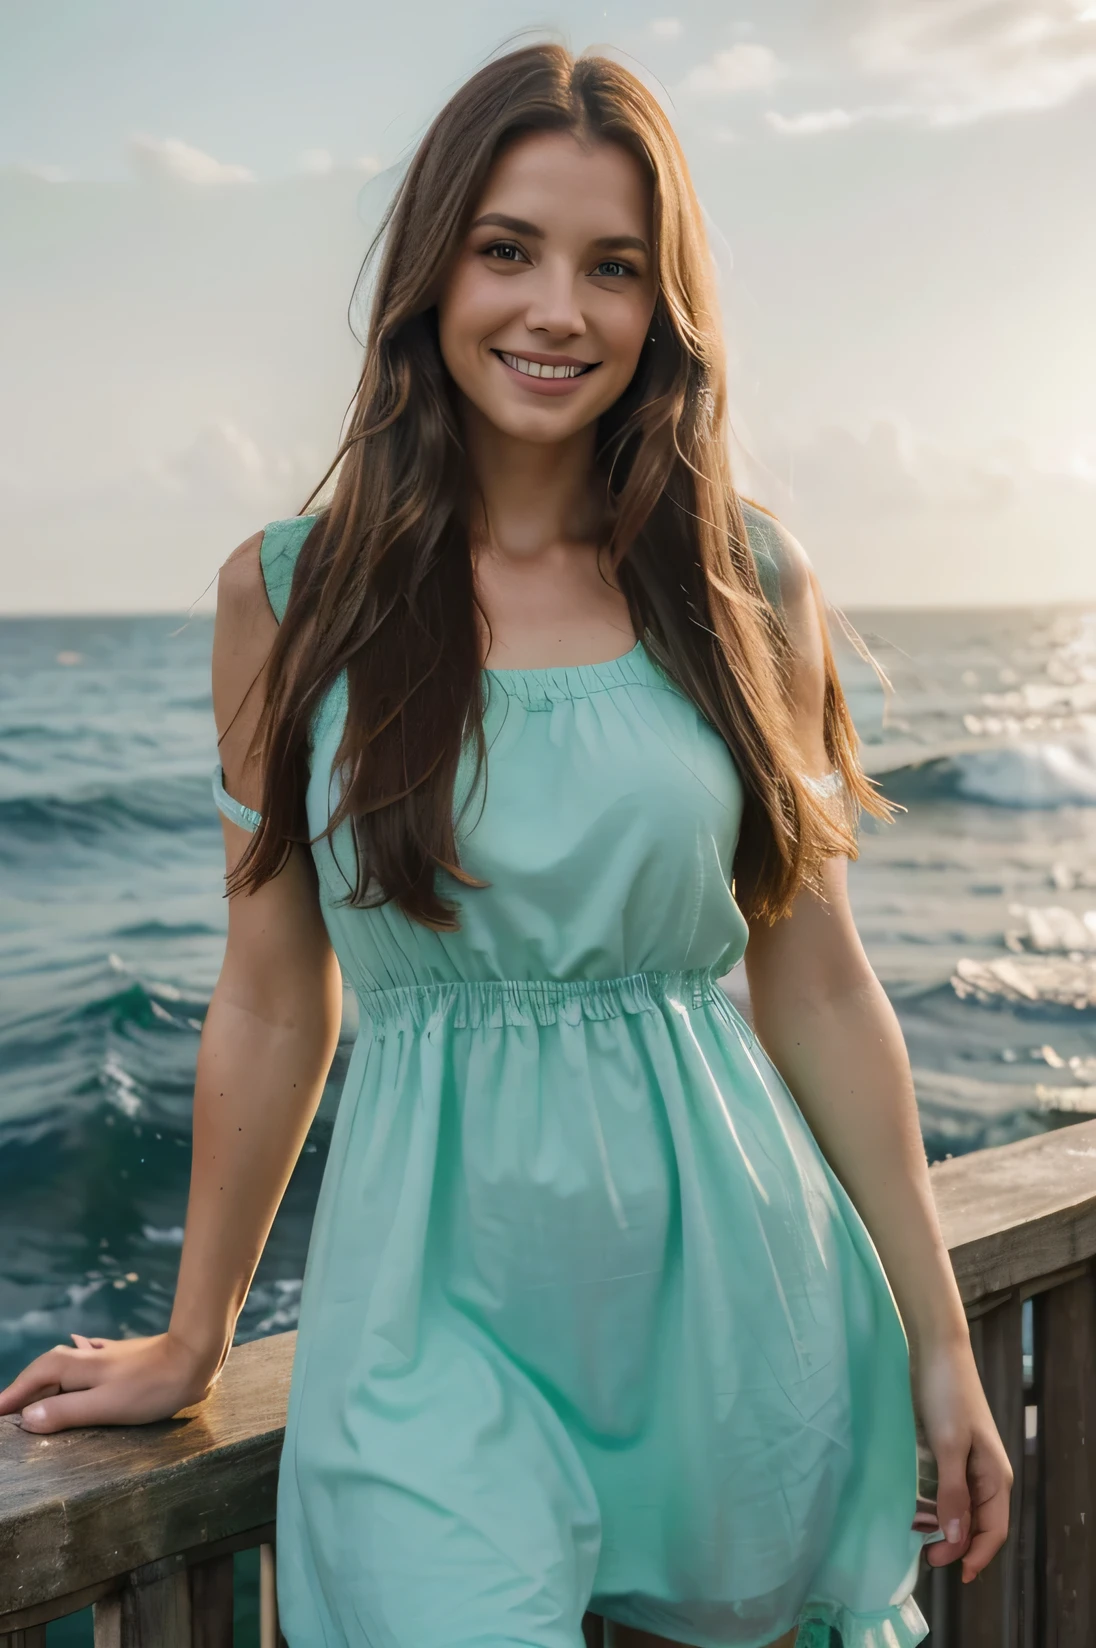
606,243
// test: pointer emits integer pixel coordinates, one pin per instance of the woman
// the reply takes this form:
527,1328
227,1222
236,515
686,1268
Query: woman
550,726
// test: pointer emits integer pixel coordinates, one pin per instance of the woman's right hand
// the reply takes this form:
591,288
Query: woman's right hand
108,1382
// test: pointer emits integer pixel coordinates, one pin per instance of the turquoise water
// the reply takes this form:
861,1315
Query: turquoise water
112,920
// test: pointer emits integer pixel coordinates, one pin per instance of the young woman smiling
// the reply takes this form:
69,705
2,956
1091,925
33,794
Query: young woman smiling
612,1301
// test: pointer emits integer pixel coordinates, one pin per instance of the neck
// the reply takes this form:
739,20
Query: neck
531,496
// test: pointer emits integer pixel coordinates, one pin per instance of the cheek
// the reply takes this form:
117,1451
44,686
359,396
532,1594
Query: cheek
625,327
468,310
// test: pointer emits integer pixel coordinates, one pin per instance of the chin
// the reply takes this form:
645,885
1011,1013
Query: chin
538,428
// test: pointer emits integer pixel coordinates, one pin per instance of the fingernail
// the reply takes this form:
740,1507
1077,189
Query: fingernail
954,1532
35,1414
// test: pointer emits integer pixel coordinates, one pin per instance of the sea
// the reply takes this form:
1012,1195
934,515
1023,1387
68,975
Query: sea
977,908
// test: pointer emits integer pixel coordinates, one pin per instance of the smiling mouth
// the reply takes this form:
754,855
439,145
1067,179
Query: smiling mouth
536,369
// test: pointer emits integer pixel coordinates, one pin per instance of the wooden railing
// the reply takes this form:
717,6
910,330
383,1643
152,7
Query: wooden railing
143,1523
1020,1223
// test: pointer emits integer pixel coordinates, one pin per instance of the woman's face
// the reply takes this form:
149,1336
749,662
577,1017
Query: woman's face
557,271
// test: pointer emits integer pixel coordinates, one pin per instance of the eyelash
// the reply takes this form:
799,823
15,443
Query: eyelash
496,245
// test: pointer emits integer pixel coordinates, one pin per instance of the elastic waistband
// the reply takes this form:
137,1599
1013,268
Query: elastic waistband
473,1004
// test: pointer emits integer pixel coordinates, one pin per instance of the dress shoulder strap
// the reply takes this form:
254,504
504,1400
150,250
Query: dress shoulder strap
763,533
282,542
278,552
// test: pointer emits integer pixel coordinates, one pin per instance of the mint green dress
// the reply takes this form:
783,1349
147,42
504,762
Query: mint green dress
587,1321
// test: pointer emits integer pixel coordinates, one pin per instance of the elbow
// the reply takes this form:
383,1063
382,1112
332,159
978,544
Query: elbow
282,997
849,989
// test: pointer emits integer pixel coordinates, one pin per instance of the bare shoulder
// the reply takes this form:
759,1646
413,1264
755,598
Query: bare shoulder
243,634
802,611
241,591
787,554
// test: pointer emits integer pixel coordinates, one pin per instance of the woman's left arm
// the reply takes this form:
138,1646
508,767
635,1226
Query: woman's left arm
825,1021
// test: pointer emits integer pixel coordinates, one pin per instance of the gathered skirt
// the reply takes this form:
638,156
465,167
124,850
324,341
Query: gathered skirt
589,1323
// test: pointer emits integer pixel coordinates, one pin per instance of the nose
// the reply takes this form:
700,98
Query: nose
553,304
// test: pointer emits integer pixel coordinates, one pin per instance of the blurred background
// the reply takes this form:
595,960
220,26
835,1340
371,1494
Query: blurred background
899,194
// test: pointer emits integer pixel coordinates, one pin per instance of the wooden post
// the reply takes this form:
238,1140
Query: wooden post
1065,1359
211,1602
987,1611
151,1610
34,1637
270,1635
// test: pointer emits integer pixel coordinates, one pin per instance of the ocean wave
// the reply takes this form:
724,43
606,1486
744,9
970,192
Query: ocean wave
1080,1067
1025,775
167,931
142,1006
1051,927
1066,1101
116,810
1035,981
960,1113
37,733
279,1303
104,1034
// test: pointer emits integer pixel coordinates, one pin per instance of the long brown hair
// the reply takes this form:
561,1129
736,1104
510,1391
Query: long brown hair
384,586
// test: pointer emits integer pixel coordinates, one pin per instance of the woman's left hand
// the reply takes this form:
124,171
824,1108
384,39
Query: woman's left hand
975,1477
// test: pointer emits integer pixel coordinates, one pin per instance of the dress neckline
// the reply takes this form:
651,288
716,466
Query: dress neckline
578,670
555,682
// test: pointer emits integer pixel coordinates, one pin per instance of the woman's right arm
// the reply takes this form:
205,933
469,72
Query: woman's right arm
266,1047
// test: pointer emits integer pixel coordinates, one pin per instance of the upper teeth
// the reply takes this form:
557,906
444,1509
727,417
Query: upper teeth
534,369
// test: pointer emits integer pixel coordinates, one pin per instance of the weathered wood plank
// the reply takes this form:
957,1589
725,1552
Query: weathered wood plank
211,1601
269,1633
35,1637
151,1610
1065,1352
1019,1211
987,1610
73,1601
156,1607
25,1619
107,1616
116,1498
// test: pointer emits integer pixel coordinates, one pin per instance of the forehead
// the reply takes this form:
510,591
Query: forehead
567,187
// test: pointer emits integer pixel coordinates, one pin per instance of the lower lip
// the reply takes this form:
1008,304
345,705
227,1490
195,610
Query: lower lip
545,386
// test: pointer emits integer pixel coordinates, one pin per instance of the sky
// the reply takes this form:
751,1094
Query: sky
899,195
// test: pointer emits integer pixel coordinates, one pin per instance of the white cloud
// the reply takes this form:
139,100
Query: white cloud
223,465
151,538
666,28
889,469
743,68
886,514
315,162
813,121
961,60
953,62
44,174
1081,461
167,159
